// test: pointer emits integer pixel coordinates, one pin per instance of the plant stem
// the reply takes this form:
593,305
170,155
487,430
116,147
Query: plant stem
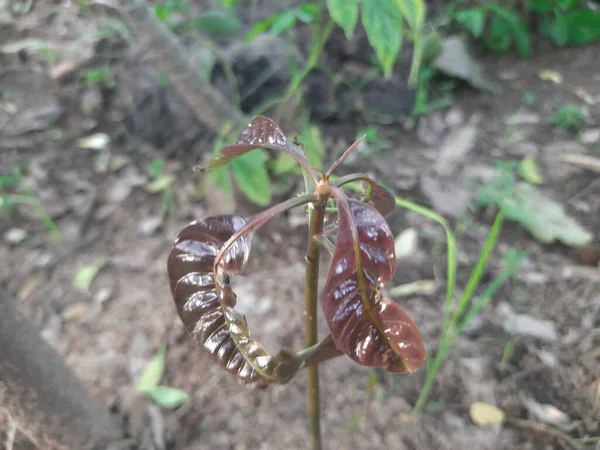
452,319
311,290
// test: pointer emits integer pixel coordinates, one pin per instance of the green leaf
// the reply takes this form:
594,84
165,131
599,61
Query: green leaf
10,180
498,38
260,28
308,12
567,5
313,145
217,23
162,12
555,28
284,165
515,26
161,183
372,380
168,397
230,4
250,173
383,25
530,171
414,13
222,179
85,275
583,26
6,202
283,22
345,14
153,372
541,5
473,19
155,167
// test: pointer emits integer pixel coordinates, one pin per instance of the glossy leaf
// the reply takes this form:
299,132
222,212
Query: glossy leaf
370,329
205,305
261,132
383,25
375,194
381,198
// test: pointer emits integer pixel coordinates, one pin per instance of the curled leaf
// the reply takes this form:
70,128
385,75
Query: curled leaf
370,329
371,191
205,304
381,199
261,132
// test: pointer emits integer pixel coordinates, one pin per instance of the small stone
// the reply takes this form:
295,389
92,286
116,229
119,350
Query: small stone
527,325
406,243
75,311
446,196
548,358
149,225
523,118
454,117
533,278
543,412
103,295
15,236
523,148
91,102
457,146
590,136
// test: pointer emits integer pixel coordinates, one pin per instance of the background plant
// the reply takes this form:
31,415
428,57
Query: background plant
501,26
14,191
386,22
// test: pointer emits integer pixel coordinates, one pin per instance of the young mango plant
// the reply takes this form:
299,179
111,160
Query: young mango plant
364,325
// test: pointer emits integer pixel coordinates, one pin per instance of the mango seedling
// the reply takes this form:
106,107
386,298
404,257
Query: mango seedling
364,325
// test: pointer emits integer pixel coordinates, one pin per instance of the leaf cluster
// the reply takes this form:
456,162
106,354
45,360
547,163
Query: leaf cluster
364,324
502,27
384,23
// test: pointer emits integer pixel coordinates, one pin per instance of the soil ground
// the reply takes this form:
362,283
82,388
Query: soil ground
99,201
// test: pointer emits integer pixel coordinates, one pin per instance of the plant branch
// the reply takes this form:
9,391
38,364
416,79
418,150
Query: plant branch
321,352
313,254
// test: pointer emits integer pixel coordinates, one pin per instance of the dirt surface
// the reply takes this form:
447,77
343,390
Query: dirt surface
98,199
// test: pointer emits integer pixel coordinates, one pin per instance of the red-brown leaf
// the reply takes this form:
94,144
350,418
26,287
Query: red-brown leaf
206,307
261,132
382,199
372,330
